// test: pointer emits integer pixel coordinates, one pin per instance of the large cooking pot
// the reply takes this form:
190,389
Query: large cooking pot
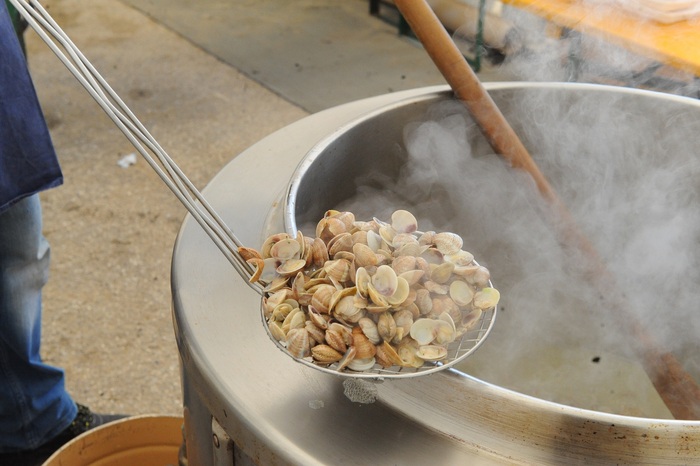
599,405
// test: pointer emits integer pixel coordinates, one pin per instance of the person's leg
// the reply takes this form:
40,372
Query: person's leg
34,405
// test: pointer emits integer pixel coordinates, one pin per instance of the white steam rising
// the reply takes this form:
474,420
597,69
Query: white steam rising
628,171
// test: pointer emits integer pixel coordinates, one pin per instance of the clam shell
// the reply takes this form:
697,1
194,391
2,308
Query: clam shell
361,364
412,276
298,342
281,311
259,265
369,328
362,281
385,280
425,331
386,326
325,354
401,293
276,330
346,310
431,352
347,358
319,253
341,242
291,267
469,320
461,293
335,339
387,356
404,321
328,228
322,298
365,348
407,352
343,331
448,243
317,334
269,242
294,319
442,273
486,298
424,301
286,249
248,253
461,258
317,318
374,241
364,256
269,271
403,221
338,269
403,264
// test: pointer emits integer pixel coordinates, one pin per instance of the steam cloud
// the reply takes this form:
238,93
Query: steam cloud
628,172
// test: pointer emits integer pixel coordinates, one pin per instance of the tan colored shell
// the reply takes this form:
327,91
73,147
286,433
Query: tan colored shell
461,293
486,298
369,328
286,249
361,364
276,330
386,326
403,264
385,280
338,268
403,221
322,296
404,321
298,342
317,334
441,273
400,294
387,356
269,242
248,253
364,256
365,348
341,242
431,352
328,228
346,311
325,354
448,243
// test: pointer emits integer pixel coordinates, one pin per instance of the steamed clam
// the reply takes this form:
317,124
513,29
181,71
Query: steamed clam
367,294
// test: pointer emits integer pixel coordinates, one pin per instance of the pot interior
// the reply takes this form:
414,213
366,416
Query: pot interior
625,164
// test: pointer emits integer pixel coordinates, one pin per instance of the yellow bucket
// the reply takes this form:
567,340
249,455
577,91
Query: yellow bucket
137,441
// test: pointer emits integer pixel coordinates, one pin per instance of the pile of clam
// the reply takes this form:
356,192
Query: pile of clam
367,293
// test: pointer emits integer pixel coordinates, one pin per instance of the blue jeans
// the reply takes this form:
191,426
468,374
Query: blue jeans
34,405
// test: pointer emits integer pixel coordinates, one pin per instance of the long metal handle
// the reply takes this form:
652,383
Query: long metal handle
137,134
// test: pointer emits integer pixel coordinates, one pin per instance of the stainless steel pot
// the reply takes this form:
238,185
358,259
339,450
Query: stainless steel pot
238,386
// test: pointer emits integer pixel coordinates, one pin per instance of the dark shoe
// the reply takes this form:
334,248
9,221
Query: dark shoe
84,421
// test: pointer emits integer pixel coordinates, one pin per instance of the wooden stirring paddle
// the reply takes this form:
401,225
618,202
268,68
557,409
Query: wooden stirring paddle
675,386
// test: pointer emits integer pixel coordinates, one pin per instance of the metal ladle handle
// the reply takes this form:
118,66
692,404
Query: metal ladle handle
137,134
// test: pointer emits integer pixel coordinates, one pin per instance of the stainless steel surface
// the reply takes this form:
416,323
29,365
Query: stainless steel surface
281,412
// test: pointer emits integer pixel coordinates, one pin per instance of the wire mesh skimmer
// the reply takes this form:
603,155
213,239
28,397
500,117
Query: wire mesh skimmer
222,236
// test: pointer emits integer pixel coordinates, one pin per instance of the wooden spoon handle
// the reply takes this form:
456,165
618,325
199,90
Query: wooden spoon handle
464,82
677,388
